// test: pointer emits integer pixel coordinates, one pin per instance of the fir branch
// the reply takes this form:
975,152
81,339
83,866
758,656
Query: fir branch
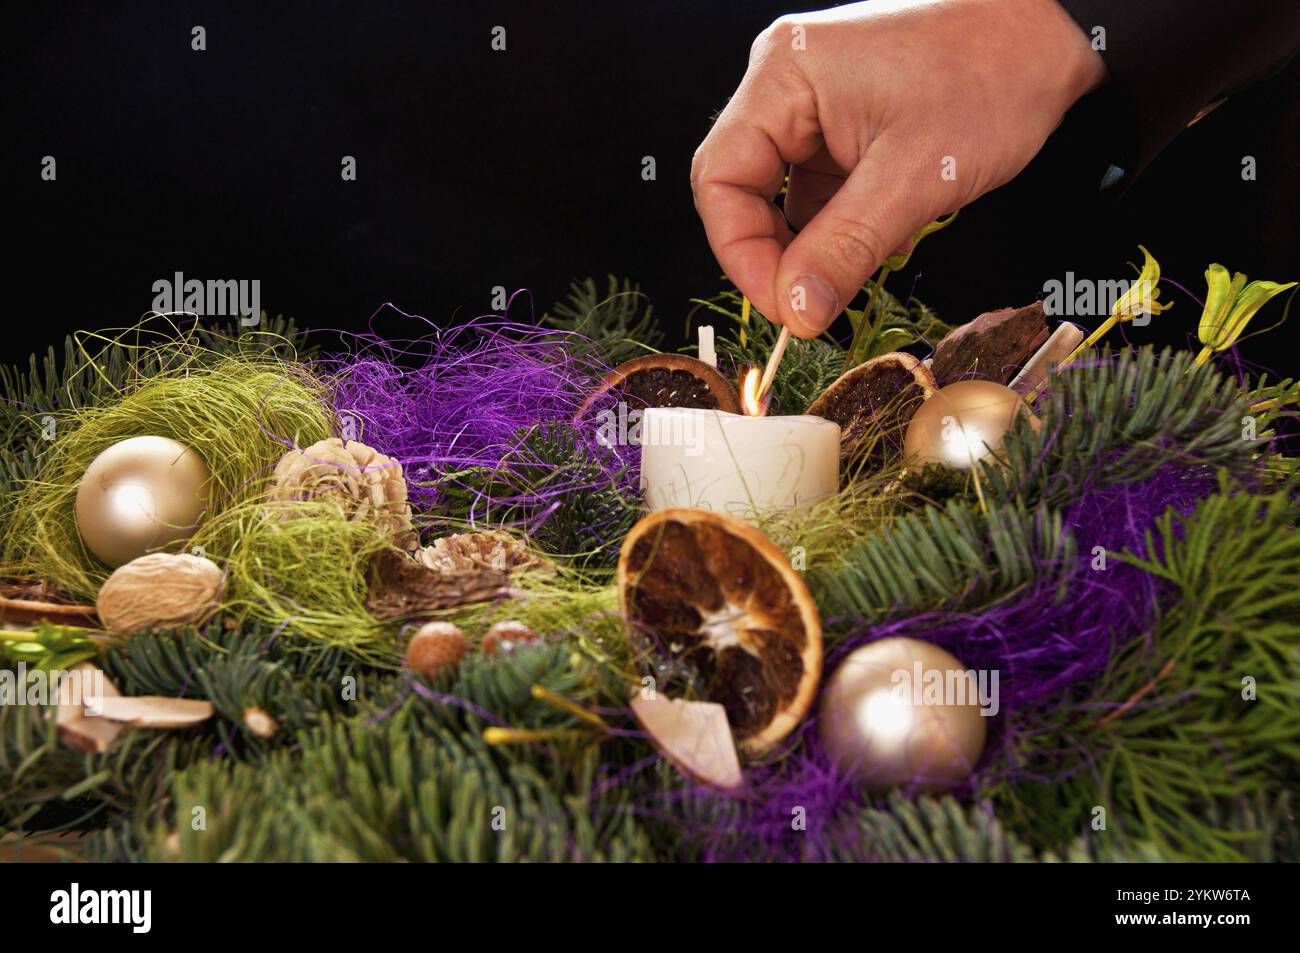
929,830
406,775
574,500
620,323
1118,420
943,830
945,558
237,670
380,795
94,368
1168,740
47,785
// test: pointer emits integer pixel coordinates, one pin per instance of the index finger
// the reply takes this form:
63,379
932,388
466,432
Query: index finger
737,172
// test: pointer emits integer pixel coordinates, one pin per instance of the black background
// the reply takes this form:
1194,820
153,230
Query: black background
519,168
328,905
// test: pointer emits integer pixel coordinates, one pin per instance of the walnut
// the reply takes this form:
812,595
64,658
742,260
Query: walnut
160,591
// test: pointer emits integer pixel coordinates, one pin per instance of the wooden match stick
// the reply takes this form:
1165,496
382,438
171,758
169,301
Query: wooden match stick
769,372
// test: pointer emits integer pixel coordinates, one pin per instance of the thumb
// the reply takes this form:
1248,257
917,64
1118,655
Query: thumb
877,209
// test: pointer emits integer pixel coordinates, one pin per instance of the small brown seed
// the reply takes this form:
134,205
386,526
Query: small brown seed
435,648
505,637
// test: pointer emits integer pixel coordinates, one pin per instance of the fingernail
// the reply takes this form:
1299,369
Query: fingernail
814,302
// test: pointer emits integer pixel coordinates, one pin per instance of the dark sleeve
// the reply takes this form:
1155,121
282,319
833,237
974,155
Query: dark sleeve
1170,59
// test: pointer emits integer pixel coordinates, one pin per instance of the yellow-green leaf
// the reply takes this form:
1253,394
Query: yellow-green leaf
891,339
899,261
1249,301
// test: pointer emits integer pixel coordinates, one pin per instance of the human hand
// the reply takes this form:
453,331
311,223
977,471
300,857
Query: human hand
886,115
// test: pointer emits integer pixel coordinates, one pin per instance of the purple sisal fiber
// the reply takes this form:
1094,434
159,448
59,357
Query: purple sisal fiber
461,398
1042,647
1045,649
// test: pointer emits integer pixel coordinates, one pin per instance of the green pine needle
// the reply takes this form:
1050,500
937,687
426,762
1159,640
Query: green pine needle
620,321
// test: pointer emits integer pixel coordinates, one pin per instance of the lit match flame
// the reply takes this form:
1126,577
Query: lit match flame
749,398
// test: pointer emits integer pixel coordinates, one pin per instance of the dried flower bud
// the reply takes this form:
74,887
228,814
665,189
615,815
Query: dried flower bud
259,723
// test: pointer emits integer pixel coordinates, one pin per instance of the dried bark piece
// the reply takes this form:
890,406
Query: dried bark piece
156,711
27,611
992,346
400,587
694,736
35,600
29,587
92,733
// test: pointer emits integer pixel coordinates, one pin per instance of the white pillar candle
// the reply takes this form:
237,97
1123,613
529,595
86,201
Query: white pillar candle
712,460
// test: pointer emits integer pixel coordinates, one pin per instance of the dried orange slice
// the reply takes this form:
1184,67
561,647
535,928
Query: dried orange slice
724,618
873,403
664,380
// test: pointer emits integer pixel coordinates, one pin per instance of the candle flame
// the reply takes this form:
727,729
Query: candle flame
749,397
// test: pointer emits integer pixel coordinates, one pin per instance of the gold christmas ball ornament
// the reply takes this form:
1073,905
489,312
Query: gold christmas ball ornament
905,712
963,423
139,495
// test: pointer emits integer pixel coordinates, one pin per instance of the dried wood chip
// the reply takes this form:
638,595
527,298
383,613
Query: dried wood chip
156,711
695,736
86,683
993,346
